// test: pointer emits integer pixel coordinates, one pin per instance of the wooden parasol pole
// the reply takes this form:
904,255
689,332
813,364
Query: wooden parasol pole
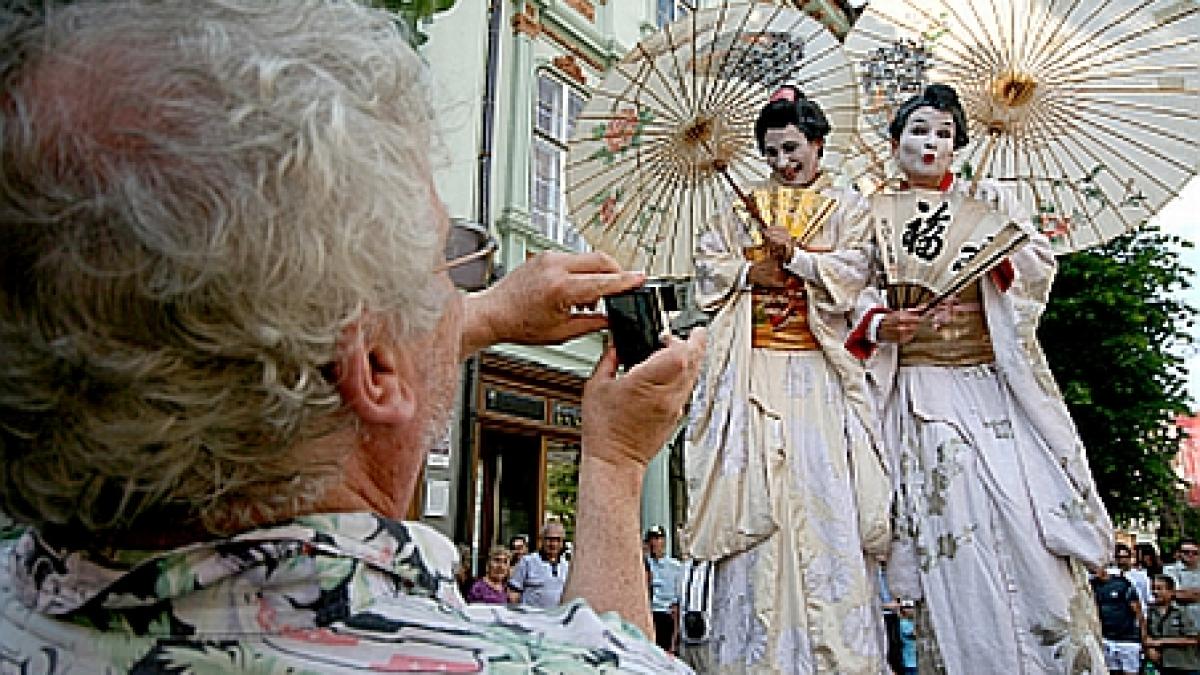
985,160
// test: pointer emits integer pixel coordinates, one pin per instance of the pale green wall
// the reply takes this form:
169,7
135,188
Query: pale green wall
656,495
456,53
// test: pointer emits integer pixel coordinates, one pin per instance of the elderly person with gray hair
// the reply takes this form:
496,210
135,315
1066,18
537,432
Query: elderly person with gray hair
229,333
539,579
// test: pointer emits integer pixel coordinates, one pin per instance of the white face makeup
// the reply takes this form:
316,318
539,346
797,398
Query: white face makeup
793,158
926,146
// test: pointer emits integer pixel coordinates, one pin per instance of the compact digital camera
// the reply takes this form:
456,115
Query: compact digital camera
637,319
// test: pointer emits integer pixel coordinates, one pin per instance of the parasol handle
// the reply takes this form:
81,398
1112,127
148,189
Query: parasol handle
751,205
984,161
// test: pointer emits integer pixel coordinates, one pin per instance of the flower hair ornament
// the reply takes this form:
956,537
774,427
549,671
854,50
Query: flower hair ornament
787,92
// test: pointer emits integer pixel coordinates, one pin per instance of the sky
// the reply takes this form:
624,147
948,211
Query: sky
1181,217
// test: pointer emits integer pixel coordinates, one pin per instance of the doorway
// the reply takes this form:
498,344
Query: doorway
510,466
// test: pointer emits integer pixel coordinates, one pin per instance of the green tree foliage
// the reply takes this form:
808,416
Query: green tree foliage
1177,522
413,12
562,492
1114,335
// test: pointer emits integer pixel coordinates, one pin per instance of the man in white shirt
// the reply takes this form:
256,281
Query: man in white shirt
539,577
1186,574
1137,577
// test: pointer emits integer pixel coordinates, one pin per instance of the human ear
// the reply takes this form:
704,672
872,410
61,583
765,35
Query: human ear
375,378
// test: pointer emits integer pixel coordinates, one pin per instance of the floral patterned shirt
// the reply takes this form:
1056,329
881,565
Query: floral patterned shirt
321,594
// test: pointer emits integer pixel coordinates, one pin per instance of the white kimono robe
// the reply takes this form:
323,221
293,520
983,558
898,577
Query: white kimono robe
786,483
996,505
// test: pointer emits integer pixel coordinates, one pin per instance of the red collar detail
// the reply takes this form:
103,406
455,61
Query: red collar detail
947,181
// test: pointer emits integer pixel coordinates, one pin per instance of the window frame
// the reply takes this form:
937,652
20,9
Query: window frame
553,223
678,8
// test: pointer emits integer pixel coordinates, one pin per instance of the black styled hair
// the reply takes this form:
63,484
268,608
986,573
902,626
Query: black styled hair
805,114
939,97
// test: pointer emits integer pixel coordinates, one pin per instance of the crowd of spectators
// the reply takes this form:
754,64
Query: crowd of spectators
1149,612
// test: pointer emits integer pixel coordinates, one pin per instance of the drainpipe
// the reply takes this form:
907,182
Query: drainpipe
495,12
470,386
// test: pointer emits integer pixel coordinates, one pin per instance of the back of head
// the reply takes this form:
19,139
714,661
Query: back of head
939,97
195,198
789,106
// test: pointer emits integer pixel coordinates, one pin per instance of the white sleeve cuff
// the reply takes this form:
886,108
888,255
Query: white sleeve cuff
803,264
873,328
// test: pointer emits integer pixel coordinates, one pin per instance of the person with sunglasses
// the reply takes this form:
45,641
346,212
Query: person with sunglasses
232,328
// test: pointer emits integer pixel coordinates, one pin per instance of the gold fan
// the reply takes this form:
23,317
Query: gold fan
803,212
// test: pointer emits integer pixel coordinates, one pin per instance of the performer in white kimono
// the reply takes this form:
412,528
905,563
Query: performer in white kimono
786,484
997,510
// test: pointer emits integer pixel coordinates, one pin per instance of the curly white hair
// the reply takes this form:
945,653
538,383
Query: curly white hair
196,198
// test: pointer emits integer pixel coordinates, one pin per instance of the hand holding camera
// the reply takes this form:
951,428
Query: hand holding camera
628,418
539,302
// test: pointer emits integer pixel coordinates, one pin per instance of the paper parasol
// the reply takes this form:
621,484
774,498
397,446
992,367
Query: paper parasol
1090,110
644,173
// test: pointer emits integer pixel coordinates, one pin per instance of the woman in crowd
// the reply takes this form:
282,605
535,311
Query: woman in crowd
491,587
1148,560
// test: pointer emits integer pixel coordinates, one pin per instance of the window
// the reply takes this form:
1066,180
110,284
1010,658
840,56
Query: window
554,121
669,10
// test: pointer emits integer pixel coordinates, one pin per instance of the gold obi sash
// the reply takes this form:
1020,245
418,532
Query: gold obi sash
953,334
779,316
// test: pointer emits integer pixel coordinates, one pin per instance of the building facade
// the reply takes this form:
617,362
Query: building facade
1187,462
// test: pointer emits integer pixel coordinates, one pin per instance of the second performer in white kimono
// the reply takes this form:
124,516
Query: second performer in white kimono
997,509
